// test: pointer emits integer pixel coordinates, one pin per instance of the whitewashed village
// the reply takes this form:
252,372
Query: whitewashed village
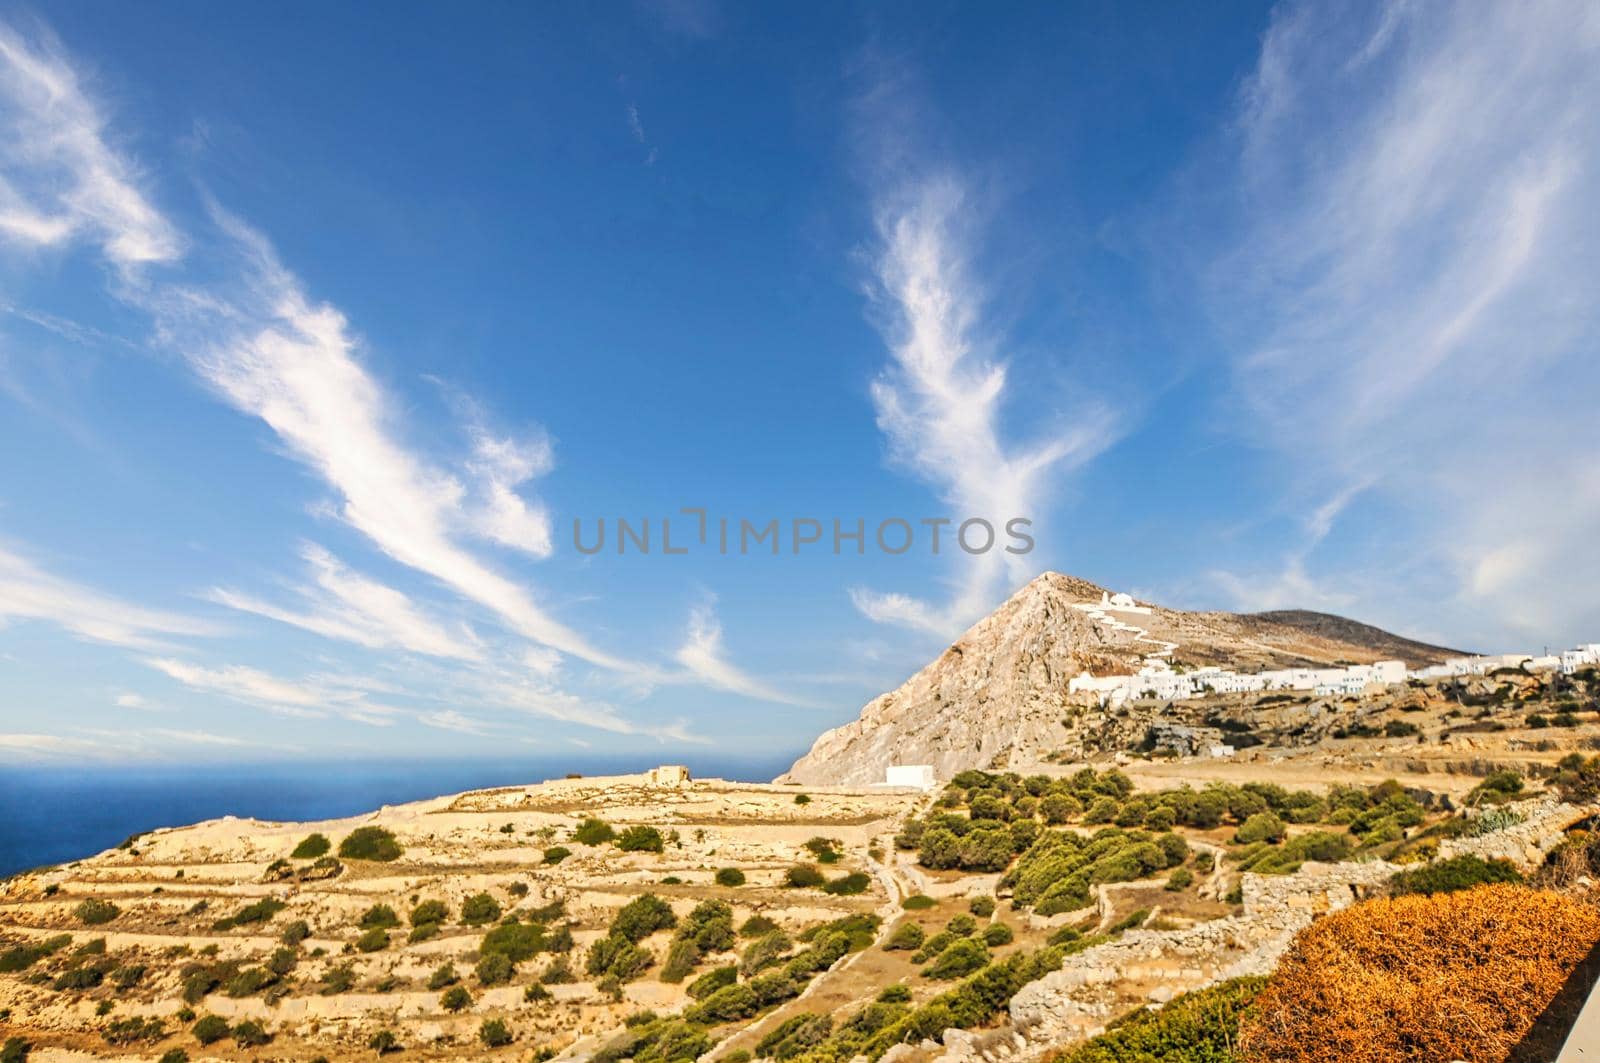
1158,678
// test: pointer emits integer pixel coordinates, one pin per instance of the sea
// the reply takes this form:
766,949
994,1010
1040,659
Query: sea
49,815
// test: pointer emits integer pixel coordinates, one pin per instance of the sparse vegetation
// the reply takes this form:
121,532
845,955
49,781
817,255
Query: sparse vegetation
640,839
96,911
311,847
593,832
478,909
370,843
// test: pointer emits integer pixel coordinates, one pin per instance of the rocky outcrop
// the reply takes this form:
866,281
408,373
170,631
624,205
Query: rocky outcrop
998,697
999,690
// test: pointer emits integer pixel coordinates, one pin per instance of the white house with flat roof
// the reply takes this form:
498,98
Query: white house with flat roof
911,776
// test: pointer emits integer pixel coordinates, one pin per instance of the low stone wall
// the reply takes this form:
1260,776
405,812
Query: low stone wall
1527,843
1096,985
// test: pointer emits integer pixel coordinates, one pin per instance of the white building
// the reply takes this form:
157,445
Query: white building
911,776
1581,657
1157,680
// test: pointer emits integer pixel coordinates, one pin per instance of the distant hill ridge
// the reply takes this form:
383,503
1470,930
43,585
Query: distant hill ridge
997,696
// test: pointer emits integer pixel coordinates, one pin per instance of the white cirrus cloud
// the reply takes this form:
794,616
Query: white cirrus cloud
346,605
500,465
703,656
302,700
1405,282
451,720
940,403
62,179
28,592
274,354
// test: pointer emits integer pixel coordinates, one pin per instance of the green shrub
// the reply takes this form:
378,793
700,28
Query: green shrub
515,941
311,847
982,907
494,1034
682,957
83,976
1202,1027
128,976
997,934
803,876
959,959
712,981
640,839
848,885
295,933
249,981
615,957
802,799
899,993
444,975
593,832
429,911
494,969
641,917
384,1042
456,998
1260,827
1181,879
133,1030
250,1033
1129,921
171,1055
728,1004
21,957
907,937
373,940
757,926
478,909
336,980
556,853
370,843
961,925
380,917
15,1050
96,911
917,902
210,1029
1457,873
257,912
729,876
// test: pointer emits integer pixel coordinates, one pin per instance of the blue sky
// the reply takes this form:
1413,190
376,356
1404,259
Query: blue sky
322,326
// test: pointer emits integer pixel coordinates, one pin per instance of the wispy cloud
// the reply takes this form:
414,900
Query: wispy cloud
274,354
940,402
63,180
346,605
111,744
28,592
248,327
703,656
1411,303
451,720
264,690
500,465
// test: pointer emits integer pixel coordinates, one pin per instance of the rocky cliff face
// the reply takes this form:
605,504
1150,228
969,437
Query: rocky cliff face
997,698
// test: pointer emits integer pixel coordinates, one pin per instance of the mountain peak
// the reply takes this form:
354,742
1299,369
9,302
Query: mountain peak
998,696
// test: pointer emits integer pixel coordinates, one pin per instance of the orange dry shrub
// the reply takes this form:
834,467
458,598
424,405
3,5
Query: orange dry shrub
1453,976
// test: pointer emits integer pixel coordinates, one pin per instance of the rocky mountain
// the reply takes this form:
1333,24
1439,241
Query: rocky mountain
998,696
